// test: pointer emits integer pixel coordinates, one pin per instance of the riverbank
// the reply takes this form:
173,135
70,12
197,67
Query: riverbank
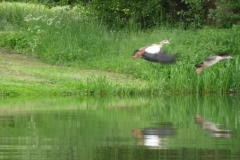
88,57
25,75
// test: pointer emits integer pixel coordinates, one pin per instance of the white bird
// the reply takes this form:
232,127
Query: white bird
211,61
209,125
154,53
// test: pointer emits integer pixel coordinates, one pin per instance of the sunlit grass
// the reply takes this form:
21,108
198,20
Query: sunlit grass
69,38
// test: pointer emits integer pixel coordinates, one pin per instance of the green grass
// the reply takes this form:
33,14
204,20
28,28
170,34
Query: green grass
72,38
24,75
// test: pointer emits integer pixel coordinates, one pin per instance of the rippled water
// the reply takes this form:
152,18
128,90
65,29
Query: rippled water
121,128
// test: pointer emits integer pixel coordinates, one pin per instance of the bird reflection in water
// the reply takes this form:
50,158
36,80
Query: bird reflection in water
212,129
154,137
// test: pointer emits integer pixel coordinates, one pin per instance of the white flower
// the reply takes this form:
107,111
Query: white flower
37,27
57,23
28,18
39,31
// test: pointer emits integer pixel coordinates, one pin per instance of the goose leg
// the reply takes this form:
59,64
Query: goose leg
200,69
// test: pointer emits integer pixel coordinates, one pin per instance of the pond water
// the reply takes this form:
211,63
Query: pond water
120,128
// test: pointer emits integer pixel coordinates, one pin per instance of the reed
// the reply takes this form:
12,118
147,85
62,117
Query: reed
70,38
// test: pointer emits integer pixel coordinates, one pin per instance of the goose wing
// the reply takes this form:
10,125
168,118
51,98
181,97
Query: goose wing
209,61
160,57
210,58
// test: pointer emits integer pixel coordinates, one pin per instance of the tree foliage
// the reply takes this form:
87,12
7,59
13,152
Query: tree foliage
149,13
152,13
135,13
225,13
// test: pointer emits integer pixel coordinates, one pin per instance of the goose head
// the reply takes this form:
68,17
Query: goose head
199,119
163,42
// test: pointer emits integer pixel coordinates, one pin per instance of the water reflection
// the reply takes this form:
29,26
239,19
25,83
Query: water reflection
102,128
154,137
212,129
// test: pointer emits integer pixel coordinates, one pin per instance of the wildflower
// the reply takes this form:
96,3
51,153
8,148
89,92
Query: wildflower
57,23
50,21
37,27
112,31
28,18
37,18
39,31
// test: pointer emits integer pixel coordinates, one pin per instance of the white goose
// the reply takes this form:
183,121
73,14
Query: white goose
209,125
154,53
211,61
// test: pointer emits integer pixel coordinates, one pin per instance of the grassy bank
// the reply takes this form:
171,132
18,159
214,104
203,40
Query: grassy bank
25,75
70,38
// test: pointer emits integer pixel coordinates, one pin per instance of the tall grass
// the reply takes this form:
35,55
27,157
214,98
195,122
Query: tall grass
69,38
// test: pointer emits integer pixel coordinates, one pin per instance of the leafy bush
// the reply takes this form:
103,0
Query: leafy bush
134,13
14,40
146,14
195,15
226,13
152,13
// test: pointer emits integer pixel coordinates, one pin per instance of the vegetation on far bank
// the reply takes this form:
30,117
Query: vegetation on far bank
69,38
151,13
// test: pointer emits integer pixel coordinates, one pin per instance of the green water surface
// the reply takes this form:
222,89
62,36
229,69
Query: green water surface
104,128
